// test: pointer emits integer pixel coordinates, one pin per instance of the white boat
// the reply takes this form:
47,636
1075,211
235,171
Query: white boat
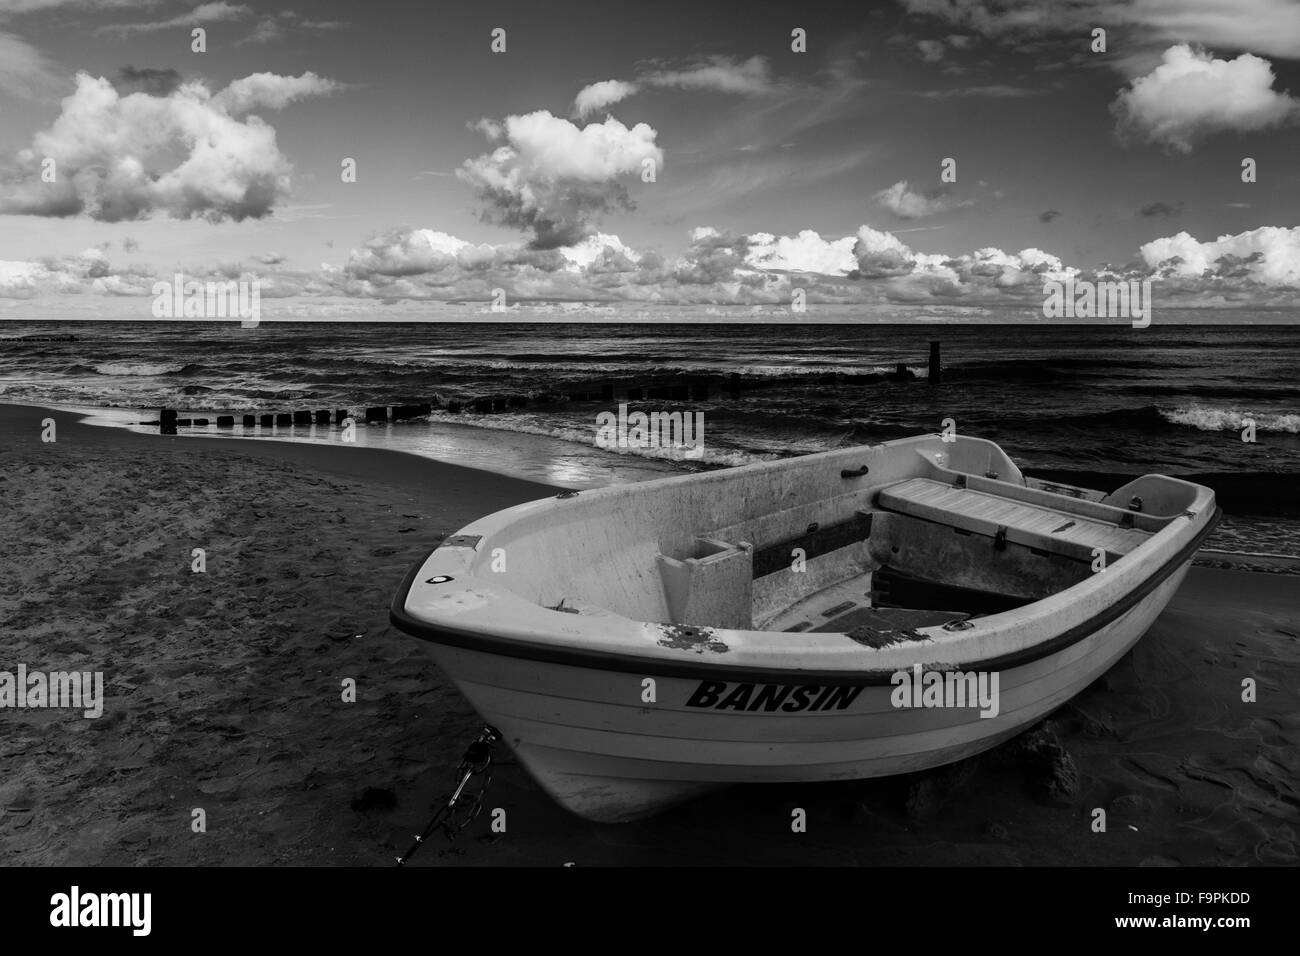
850,614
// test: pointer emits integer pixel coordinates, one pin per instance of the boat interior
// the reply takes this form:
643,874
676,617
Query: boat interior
963,536
871,542
924,551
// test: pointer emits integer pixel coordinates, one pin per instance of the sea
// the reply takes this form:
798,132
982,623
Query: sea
1094,405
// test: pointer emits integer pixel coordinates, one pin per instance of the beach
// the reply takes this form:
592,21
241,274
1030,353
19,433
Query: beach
224,692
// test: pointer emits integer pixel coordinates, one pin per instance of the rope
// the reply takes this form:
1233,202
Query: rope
450,819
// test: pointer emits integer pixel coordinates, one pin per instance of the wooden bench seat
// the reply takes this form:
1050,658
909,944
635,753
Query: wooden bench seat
1033,525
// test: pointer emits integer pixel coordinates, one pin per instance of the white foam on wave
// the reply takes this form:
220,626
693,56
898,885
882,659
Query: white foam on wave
136,368
1209,419
587,437
781,371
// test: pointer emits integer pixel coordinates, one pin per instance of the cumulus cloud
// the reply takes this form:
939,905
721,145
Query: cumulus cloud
881,254
714,258
905,203
271,91
1268,256
598,96
85,273
872,266
987,274
405,252
429,264
601,252
553,178
720,74
185,154
1260,267
1192,95
716,267
805,252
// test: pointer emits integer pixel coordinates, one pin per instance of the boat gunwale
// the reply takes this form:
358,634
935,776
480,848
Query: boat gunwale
643,664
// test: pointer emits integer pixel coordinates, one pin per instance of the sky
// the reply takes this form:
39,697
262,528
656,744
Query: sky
655,155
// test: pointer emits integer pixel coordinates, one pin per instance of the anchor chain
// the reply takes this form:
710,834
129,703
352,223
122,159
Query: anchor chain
458,811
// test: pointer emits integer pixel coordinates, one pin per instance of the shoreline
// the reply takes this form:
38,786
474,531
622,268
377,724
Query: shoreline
324,455
523,455
223,692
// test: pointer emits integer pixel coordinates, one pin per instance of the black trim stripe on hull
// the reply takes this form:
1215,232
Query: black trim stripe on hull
702,670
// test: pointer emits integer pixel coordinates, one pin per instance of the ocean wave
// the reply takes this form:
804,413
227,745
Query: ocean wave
792,371
1154,418
333,368
1207,419
712,457
138,368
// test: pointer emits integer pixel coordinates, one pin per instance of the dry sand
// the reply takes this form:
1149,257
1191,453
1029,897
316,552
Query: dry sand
224,692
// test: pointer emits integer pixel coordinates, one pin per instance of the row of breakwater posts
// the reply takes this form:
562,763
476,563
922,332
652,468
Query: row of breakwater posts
697,389
169,420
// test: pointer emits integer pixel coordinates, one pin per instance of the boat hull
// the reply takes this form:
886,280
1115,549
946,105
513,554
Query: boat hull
615,743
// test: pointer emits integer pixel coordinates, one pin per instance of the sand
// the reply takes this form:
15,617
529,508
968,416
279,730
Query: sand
224,692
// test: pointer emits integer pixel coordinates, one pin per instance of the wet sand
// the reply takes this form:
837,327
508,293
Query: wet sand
224,692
